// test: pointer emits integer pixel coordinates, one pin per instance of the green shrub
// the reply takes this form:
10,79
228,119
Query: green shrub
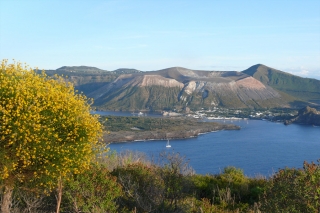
143,187
294,190
94,190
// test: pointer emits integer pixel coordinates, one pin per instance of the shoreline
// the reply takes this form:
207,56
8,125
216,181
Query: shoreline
154,139
137,136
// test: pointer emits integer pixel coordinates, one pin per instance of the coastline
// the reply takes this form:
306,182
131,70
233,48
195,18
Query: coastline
132,136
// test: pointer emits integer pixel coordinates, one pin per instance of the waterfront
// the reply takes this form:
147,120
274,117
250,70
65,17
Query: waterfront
260,147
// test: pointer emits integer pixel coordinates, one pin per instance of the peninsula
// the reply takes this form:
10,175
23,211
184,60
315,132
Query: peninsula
125,129
307,116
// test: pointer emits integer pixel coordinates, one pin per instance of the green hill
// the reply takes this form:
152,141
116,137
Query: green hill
306,89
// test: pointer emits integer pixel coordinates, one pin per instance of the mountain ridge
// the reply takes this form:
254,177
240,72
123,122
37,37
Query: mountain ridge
190,88
306,89
178,88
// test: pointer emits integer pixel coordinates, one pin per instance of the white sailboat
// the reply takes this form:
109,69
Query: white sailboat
168,145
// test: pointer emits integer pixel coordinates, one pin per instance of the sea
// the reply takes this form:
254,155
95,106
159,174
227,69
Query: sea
259,148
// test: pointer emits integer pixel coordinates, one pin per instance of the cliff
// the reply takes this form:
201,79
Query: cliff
307,115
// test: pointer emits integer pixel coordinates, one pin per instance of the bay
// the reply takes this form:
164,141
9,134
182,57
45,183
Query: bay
259,148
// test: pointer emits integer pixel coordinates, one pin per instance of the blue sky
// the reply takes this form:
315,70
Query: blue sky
157,34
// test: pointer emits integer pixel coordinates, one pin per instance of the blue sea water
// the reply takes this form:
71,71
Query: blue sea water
259,148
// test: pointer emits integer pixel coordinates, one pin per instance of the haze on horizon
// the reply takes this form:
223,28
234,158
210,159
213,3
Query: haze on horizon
153,35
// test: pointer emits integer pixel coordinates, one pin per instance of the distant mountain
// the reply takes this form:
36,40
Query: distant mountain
83,69
306,115
125,71
85,79
88,71
306,89
88,79
179,88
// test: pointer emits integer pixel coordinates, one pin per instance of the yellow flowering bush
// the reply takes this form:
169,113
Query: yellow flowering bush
46,129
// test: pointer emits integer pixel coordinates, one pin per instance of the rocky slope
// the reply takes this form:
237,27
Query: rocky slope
179,88
182,89
307,115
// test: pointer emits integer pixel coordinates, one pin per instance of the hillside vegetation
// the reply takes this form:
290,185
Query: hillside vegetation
129,182
306,89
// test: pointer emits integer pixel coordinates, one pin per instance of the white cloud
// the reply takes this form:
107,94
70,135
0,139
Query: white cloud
303,71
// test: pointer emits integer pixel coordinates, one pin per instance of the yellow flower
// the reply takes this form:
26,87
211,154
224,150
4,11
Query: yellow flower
46,128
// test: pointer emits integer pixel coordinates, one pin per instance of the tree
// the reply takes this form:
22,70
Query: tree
46,130
176,174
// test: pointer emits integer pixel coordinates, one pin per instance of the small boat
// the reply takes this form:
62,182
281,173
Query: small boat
168,145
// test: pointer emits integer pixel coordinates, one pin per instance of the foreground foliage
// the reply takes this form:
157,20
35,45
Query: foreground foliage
294,190
94,190
129,182
47,133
